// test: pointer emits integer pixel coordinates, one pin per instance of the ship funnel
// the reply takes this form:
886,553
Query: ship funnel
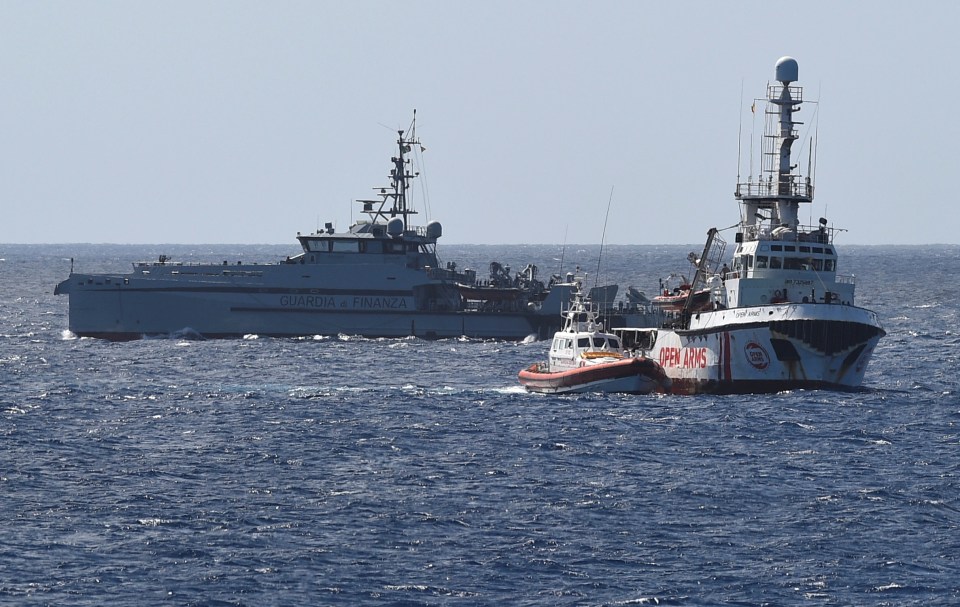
787,70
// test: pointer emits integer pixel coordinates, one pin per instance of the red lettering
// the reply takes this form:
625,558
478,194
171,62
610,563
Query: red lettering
669,356
683,357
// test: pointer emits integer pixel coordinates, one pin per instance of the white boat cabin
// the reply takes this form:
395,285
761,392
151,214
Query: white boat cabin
582,340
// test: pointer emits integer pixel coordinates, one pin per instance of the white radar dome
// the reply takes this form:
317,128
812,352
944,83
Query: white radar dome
395,227
787,69
434,230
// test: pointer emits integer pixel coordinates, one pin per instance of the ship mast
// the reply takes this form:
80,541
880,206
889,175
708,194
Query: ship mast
780,188
400,176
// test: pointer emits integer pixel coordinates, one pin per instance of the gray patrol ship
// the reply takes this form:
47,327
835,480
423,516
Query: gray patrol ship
381,278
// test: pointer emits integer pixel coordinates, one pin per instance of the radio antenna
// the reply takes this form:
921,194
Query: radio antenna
603,236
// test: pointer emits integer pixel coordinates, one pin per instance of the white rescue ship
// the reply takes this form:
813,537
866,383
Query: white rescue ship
781,316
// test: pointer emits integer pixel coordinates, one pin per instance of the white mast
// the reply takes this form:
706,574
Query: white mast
775,196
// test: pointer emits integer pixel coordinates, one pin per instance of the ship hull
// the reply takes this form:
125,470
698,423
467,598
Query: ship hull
631,376
771,348
125,307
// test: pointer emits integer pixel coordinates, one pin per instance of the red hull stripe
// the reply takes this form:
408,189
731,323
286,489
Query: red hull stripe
727,373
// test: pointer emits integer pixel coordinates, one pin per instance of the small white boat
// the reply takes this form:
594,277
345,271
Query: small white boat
583,358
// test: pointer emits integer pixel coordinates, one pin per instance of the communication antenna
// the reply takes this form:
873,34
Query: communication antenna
809,176
740,130
596,282
753,131
816,142
563,249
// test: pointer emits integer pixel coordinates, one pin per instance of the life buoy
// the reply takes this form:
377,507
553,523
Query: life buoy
601,354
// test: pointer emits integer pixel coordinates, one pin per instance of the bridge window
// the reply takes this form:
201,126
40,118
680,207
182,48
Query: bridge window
761,262
775,263
345,246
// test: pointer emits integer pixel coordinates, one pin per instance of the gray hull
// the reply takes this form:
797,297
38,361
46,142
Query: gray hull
261,300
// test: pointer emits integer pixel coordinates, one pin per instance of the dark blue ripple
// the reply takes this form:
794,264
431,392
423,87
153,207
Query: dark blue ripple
278,472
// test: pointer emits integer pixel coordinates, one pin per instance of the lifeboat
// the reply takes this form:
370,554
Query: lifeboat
674,299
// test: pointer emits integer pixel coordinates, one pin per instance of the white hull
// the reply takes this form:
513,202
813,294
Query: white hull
769,349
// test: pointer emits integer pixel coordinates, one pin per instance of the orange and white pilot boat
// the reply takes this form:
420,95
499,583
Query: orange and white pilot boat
584,358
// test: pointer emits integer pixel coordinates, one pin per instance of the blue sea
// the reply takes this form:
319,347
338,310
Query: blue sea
349,471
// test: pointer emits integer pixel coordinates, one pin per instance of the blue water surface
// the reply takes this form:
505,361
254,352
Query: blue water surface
348,471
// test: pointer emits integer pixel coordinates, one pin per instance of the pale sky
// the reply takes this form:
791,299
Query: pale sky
246,122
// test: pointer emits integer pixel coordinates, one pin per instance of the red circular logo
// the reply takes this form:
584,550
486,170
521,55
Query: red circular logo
756,355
